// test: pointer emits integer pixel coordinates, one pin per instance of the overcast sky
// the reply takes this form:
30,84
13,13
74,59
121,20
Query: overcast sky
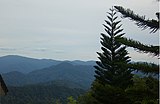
66,29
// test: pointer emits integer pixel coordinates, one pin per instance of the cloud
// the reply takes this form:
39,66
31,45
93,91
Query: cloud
63,29
39,50
7,49
59,51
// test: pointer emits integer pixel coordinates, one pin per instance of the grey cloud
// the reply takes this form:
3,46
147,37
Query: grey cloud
40,50
7,49
62,28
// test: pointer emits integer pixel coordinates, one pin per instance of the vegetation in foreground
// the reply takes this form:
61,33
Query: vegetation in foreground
40,94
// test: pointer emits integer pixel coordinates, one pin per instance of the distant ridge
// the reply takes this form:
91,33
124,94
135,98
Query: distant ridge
20,71
25,65
83,75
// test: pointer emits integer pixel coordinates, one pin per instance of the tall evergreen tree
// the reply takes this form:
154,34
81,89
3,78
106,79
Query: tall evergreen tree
112,73
112,69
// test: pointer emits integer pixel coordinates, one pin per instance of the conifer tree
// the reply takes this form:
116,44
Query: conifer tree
112,74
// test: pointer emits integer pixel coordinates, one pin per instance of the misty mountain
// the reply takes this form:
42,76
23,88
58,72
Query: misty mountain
79,62
80,75
23,64
14,78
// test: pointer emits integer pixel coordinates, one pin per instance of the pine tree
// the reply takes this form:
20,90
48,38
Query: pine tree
112,69
112,74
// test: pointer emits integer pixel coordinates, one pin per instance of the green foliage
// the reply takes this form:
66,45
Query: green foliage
54,101
58,102
144,91
87,98
147,68
107,94
71,100
40,94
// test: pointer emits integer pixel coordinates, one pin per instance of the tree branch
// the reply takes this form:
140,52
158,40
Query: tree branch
154,50
139,20
145,67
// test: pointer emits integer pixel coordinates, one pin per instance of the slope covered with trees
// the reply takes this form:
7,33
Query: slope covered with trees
40,94
82,75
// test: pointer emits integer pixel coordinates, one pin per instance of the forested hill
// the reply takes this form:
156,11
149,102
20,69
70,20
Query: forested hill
54,81
25,65
82,75
40,94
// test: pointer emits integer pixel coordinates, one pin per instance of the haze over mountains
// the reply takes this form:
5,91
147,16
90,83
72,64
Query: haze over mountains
42,81
25,65
20,71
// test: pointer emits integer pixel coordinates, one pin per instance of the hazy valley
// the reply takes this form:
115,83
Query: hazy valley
52,79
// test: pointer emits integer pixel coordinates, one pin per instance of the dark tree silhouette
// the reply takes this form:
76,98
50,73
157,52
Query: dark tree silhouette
140,21
112,73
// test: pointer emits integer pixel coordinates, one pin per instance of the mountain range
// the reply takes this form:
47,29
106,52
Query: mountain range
22,64
45,81
20,71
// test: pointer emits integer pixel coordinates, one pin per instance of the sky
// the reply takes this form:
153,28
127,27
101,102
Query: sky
67,29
